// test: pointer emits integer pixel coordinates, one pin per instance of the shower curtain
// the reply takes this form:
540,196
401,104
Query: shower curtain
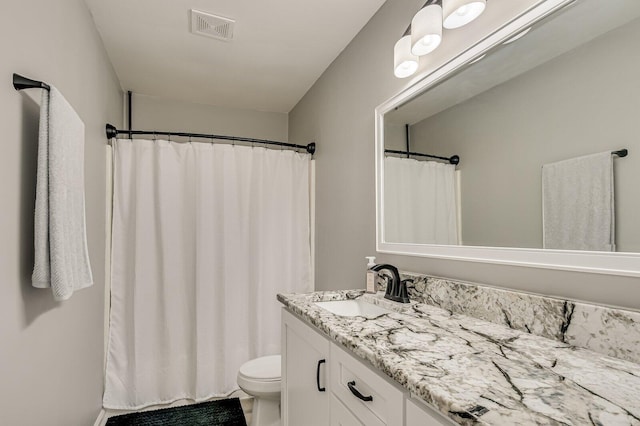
419,202
204,237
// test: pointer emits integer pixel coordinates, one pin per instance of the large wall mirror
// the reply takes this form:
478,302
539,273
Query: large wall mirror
543,118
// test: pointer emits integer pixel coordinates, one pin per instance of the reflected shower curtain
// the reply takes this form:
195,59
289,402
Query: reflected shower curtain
204,236
419,202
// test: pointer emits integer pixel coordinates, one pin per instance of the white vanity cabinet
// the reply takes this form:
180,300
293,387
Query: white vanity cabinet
305,378
341,416
354,393
418,414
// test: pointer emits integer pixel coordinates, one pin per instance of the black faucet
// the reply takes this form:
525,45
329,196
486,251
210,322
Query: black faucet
396,288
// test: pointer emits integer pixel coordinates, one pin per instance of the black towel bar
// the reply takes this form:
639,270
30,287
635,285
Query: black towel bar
21,82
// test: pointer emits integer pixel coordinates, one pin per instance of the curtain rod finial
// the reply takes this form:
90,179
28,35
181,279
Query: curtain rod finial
311,148
111,131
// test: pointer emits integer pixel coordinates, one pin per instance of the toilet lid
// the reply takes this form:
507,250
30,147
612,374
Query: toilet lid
266,368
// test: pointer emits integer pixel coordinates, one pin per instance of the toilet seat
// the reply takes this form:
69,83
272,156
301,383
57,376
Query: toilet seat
263,369
261,376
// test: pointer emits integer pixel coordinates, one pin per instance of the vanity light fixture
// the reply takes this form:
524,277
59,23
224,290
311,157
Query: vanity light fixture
405,63
458,13
424,35
518,36
426,29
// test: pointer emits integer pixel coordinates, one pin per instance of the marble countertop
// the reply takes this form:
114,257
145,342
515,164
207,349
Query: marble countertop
477,372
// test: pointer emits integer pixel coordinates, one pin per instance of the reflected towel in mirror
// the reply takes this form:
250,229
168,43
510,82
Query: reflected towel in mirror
578,203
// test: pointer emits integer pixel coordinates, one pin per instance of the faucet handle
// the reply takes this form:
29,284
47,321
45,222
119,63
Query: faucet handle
403,294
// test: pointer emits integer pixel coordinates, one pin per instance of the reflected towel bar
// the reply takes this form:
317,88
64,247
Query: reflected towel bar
112,132
21,82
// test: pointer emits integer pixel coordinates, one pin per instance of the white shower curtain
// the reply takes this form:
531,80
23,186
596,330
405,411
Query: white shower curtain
419,202
204,236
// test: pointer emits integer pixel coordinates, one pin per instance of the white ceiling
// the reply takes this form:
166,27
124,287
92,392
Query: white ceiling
279,50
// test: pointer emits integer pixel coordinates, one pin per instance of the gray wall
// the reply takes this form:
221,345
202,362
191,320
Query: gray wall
583,102
50,353
338,112
154,113
395,136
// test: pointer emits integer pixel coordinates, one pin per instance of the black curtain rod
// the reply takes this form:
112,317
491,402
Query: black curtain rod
21,82
452,160
621,153
112,132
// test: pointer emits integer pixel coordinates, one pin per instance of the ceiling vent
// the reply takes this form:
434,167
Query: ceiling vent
212,26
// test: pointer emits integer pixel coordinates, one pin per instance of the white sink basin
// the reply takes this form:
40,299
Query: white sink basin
353,308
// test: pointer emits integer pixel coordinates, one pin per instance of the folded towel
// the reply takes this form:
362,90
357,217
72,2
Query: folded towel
578,204
61,254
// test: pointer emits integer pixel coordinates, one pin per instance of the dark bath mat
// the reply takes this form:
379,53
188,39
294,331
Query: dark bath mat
226,412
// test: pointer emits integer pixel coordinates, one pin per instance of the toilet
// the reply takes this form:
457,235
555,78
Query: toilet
260,378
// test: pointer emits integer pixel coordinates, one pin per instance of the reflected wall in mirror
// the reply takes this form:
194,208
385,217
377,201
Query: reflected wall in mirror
568,88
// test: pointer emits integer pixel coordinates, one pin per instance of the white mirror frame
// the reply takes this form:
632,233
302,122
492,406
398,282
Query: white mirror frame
611,263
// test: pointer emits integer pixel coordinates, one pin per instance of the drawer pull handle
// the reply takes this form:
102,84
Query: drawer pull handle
320,389
356,392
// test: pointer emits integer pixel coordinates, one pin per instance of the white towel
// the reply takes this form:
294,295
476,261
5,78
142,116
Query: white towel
578,204
61,254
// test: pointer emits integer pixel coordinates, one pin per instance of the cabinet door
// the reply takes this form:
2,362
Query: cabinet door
340,416
305,364
418,414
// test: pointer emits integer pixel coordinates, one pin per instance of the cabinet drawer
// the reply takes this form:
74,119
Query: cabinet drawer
385,406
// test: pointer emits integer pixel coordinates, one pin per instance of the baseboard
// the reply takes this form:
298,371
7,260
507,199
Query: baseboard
102,418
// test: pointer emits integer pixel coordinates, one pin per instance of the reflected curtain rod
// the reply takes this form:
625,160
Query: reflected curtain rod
112,132
407,134
454,159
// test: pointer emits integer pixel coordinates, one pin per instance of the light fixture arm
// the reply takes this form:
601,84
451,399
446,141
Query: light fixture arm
427,3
